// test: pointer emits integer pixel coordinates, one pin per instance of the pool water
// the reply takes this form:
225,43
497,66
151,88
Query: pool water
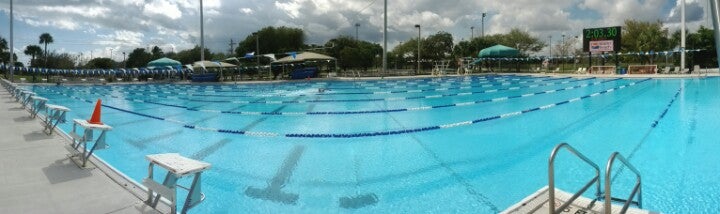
473,144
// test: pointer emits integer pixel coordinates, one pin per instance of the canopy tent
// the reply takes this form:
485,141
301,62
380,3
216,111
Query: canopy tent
498,51
163,62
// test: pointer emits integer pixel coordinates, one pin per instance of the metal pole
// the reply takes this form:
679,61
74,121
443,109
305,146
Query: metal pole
716,26
124,63
257,50
472,33
357,26
202,33
682,36
482,22
563,53
12,50
385,50
550,57
417,71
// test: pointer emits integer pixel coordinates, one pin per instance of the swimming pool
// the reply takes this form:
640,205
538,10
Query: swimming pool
473,144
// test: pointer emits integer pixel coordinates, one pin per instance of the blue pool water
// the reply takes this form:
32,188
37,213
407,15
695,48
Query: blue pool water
457,144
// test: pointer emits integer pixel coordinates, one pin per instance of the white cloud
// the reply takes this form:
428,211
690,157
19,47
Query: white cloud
292,9
121,38
163,7
246,11
90,12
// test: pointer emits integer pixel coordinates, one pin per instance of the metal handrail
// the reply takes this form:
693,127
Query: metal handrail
637,189
551,178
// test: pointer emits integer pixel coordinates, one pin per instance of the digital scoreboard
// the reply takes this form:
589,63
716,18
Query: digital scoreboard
606,39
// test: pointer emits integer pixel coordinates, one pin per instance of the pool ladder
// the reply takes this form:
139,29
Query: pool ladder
607,196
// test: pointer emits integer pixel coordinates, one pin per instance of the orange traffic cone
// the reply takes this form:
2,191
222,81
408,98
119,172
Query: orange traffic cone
95,118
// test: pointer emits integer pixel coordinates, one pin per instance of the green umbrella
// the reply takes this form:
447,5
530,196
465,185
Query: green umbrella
498,51
162,62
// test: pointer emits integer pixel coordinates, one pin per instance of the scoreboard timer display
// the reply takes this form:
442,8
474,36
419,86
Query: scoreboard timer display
605,39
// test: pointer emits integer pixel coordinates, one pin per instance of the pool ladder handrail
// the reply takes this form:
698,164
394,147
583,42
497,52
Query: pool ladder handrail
551,178
608,182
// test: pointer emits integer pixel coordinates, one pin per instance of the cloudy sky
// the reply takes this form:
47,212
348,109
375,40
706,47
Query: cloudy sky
98,27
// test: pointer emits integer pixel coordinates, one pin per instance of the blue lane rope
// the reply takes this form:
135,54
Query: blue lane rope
667,107
371,134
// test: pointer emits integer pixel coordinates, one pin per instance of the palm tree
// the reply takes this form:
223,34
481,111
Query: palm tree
33,50
46,39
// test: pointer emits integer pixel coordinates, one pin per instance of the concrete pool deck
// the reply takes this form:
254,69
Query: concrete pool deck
36,175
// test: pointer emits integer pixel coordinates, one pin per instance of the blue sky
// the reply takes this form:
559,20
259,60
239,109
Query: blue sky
95,27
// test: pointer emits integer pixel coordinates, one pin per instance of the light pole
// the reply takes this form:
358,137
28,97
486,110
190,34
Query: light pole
257,50
124,62
550,49
682,36
418,50
384,60
472,33
202,33
482,22
357,26
562,53
12,50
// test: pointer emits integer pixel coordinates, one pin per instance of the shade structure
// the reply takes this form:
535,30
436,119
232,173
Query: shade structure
162,62
303,57
211,64
498,51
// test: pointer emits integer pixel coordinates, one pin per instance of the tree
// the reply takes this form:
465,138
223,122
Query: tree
273,40
46,39
139,58
33,51
351,53
702,39
5,53
436,47
643,36
60,60
522,41
190,56
157,53
101,63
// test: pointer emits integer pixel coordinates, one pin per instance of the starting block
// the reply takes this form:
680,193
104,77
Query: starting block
25,96
54,114
177,167
84,153
37,105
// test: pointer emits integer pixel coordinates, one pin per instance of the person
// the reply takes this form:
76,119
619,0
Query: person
321,90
